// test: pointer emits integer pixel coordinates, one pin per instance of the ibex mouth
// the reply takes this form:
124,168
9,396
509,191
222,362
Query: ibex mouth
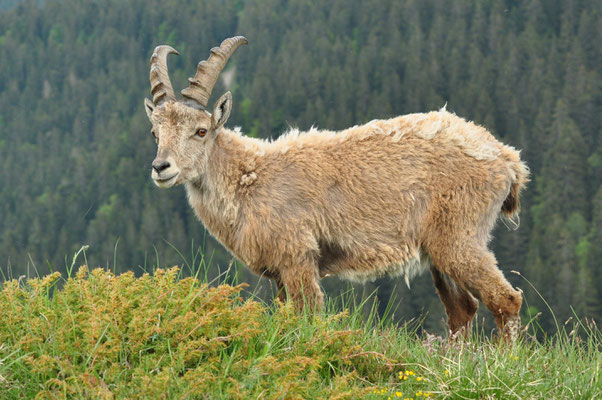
166,182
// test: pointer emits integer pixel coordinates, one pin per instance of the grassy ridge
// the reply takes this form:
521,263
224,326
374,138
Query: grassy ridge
163,336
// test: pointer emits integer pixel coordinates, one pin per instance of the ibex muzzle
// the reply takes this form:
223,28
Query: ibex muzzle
165,170
160,165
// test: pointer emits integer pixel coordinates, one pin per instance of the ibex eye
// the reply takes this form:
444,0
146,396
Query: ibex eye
201,132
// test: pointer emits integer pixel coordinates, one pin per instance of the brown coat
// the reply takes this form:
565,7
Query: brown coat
391,197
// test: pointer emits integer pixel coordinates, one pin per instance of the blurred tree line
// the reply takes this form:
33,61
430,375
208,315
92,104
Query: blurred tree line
75,148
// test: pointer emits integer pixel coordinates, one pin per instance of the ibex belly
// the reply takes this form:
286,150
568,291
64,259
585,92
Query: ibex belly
363,264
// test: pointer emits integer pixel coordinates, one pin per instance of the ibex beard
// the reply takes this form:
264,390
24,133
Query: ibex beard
391,197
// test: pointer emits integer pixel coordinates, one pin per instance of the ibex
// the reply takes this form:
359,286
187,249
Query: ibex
391,197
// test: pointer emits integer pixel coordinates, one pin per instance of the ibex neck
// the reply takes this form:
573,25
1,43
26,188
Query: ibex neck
231,163
216,198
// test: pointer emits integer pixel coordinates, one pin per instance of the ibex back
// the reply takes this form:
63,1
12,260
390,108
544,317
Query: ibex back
391,197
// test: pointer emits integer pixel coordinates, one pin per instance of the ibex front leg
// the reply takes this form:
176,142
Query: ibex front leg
300,282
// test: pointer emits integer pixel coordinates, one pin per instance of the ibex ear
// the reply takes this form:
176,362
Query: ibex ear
221,111
149,107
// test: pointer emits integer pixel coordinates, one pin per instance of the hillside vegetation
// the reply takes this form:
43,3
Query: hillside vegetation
75,148
98,335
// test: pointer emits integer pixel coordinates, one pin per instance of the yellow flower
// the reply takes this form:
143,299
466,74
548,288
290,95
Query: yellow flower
419,378
398,394
419,393
446,372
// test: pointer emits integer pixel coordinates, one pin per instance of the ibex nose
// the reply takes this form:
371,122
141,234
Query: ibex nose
160,165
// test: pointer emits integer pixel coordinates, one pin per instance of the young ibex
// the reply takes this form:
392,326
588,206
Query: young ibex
391,197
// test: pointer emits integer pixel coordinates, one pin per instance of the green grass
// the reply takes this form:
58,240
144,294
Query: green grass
97,335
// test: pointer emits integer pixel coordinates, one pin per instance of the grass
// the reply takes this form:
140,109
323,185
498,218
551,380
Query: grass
97,335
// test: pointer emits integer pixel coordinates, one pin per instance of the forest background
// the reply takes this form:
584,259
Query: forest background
75,147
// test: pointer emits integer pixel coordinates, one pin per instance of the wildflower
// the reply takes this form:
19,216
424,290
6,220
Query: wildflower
446,372
398,394
419,378
419,393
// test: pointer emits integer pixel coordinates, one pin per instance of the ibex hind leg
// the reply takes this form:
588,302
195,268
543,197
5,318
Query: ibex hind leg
474,268
460,305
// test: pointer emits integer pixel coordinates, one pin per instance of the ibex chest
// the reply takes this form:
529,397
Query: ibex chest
217,216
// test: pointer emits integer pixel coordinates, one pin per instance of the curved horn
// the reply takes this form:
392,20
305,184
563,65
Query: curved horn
161,88
208,71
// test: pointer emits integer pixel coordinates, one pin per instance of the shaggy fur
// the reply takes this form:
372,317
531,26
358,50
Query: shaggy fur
391,197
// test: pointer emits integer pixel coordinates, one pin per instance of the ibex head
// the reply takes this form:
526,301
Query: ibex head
184,129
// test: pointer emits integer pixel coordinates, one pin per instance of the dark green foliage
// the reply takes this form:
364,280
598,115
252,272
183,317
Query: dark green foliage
6,4
75,151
